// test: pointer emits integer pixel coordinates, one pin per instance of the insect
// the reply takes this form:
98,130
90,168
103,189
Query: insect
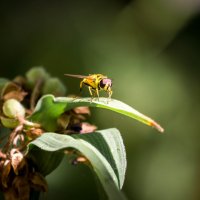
95,83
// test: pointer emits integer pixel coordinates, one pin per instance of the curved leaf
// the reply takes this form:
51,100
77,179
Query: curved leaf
104,150
49,108
45,162
109,142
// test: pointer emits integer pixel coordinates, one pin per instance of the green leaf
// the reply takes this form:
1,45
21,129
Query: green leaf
110,144
49,108
104,150
45,162
47,112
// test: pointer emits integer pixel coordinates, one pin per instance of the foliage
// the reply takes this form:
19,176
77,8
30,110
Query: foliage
43,128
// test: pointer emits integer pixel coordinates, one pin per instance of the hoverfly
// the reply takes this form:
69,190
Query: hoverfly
95,83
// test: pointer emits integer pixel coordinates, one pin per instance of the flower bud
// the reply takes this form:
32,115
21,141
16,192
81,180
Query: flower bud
54,86
35,74
3,82
13,109
9,123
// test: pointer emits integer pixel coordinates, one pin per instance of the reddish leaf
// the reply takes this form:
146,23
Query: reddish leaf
17,160
5,173
38,182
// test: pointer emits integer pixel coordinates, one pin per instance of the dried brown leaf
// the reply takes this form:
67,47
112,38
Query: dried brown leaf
63,120
21,187
5,173
18,95
2,155
80,159
19,139
38,182
82,110
87,128
14,91
20,80
10,194
34,133
17,160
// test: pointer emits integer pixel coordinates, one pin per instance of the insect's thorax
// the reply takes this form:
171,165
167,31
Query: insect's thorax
94,81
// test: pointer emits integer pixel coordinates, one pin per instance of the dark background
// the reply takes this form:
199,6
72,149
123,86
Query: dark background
151,51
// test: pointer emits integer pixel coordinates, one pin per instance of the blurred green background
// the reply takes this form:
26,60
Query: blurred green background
151,51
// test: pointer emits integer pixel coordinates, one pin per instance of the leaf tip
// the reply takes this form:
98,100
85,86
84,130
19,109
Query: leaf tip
157,126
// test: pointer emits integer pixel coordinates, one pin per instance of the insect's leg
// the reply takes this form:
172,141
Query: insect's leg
97,92
90,90
109,95
91,93
81,86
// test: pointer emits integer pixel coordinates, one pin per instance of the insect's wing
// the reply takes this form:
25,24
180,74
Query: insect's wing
76,76
79,76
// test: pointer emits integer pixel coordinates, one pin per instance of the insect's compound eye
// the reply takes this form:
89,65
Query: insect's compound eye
105,82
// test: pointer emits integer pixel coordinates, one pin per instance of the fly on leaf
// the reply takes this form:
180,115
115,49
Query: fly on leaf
95,83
